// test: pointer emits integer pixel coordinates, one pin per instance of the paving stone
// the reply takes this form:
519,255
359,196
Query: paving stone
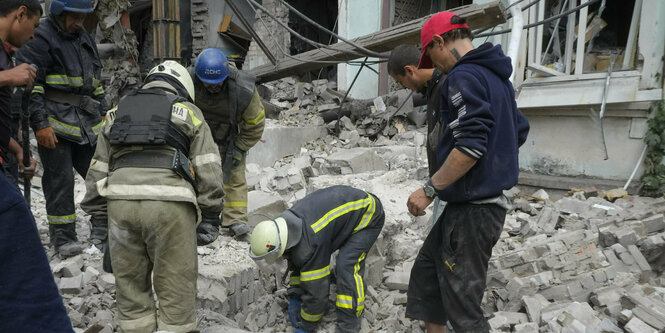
534,305
71,285
635,325
398,281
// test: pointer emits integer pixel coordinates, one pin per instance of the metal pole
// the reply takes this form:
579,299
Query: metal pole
251,31
339,113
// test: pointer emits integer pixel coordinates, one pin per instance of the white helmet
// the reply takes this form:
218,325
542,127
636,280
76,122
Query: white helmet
268,240
178,72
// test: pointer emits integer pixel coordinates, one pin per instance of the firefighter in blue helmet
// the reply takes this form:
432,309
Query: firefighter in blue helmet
335,218
232,108
67,108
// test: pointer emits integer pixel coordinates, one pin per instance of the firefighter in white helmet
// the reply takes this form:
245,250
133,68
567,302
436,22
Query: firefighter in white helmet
336,218
155,168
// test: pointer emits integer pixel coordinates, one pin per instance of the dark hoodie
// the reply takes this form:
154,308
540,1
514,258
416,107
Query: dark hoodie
482,120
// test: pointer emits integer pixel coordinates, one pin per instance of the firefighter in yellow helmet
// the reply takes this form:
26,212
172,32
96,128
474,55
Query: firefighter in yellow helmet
157,173
335,218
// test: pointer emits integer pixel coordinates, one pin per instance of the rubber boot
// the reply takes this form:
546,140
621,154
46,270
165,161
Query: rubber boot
63,238
99,233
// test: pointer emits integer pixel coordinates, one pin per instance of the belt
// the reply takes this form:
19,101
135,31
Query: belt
64,97
144,159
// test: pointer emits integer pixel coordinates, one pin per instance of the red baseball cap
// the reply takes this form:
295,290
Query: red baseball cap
438,24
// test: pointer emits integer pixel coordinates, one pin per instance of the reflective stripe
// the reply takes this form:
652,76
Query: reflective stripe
294,280
98,91
195,121
235,204
339,211
156,191
360,287
206,159
38,90
97,128
369,213
99,166
57,79
259,117
64,128
96,83
344,301
315,275
310,317
65,219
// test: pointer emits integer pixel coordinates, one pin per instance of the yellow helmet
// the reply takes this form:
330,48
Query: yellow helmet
268,240
176,71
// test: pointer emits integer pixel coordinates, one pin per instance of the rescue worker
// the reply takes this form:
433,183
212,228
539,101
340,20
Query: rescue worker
232,108
155,168
335,218
67,107
403,68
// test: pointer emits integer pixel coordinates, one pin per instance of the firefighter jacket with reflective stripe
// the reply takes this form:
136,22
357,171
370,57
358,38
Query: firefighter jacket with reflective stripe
329,217
137,183
238,96
67,64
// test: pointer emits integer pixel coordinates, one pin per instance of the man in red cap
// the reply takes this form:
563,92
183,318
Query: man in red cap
477,158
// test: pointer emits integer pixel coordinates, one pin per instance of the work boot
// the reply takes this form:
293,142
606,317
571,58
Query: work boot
208,229
238,229
99,233
63,238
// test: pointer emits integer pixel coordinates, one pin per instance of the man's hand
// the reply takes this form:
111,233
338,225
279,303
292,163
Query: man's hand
21,75
46,137
26,171
417,202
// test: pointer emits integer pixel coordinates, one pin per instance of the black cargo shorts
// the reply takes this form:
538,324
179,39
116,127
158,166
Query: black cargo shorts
449,275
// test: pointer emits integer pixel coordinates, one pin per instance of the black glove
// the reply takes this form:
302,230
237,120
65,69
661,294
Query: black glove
208,230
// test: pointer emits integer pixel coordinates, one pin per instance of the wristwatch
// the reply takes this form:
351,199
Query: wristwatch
430,191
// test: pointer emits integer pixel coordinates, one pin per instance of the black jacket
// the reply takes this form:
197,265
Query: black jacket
65,63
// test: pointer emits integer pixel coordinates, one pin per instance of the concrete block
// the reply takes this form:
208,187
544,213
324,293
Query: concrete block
655,223
281,141
642,263
534,305
398,281
261,204
606,326
357,160
71,285
526,328
374,270
513,318
69,267
498,322
90,275
606,296
572,206
635,325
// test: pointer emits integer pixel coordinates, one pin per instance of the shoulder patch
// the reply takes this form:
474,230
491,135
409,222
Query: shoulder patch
179,112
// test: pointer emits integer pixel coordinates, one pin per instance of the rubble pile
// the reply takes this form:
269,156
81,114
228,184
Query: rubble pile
309,102
589,262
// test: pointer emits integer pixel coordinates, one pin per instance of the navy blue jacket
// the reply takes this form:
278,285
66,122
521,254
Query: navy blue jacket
482,120
29,299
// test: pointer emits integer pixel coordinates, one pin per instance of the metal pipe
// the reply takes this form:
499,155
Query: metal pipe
603,102
251,31
515,36
556,28
639,162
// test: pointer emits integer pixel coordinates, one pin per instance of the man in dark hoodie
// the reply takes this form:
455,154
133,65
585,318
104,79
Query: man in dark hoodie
478,159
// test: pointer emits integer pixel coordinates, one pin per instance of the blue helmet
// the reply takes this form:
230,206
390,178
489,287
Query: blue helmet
76,6
211,66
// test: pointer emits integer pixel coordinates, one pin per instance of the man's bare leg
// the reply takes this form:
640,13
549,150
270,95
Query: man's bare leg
435,328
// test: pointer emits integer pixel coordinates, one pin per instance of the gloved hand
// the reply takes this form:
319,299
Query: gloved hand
300,330
46,137
237,154
208,230
294,311
232,158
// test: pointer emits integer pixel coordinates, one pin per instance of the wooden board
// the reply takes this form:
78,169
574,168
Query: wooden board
477,16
